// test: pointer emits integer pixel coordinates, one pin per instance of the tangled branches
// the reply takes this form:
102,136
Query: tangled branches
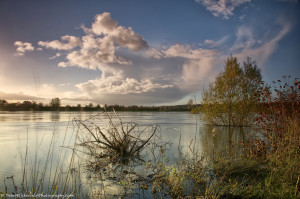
120,140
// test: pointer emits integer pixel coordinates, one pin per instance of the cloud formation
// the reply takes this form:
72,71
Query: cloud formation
121,35
247,46
22,47
99,45
131,72
17,96
214,44
67,43
95,53
222,8
55,56
118,85
198,64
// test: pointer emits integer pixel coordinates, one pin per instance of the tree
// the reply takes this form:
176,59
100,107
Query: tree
231,99
55,102
190,104
3,103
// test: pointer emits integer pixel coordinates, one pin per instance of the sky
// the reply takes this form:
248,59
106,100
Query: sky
139,52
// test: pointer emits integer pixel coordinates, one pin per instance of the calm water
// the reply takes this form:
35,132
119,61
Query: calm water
37,130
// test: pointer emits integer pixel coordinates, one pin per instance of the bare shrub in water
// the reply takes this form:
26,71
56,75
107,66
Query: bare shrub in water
119,140
118,153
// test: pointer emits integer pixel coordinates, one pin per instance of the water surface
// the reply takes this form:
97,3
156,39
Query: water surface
37,131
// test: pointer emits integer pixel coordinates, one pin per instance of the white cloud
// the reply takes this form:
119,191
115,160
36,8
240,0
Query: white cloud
185,51
67,43
223,8
103,24
118,89
99,45
94,53
55,56
126,37
199,73
213,44
119,85
22,47
123,36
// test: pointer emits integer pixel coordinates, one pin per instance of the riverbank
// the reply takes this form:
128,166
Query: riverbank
33,106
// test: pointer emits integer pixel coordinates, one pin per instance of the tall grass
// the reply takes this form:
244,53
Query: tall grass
53,174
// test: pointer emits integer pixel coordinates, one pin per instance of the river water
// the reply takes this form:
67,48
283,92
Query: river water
32,134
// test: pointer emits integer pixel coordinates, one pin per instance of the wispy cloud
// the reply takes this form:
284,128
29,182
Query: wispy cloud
213,44
222,8
247,46
67,43
22,47
17,96
198,64
244,39
55,56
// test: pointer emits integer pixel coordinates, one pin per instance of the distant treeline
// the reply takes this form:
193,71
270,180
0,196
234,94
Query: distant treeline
55,106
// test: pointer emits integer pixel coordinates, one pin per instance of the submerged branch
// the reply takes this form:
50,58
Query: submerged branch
122,139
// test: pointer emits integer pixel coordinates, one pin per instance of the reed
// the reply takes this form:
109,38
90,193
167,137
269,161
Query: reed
45,173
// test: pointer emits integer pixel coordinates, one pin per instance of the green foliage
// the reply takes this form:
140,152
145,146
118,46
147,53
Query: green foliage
231,100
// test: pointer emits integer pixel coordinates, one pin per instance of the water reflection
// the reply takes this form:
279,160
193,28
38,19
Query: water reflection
221,142
55,116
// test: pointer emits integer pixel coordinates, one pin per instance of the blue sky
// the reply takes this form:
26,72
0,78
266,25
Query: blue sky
137,51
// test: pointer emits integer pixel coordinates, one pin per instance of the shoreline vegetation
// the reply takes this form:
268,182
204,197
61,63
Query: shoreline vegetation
34,106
